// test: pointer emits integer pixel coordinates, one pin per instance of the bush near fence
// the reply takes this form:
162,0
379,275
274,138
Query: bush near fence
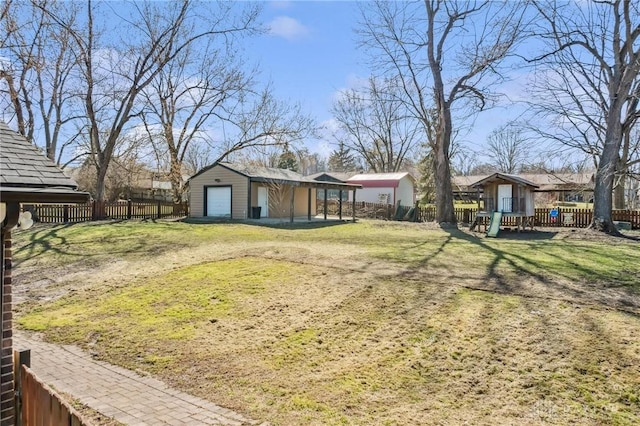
567,217
95,210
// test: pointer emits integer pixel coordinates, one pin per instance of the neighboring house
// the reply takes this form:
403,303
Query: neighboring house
137,184
509,194
385,188
336,177
26,176
237,191
576,187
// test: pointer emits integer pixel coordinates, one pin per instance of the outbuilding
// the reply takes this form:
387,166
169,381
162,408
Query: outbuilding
508,195
243,191
385,188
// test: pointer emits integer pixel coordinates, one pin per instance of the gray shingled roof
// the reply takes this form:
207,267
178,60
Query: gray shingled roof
23,165
336,176
267,173
273,175
504,176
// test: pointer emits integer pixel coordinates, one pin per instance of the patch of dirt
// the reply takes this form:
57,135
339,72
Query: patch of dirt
88,414
33,284
357,339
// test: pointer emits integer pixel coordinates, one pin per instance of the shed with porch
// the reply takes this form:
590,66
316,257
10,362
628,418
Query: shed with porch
511,195
242,191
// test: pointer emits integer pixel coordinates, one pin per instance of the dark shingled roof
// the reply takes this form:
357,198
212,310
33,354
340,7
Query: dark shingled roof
23,165
266,173
274,175
28,176
332,176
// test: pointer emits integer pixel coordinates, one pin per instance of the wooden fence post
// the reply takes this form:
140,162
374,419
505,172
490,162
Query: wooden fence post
20,358
159,209
129,208
65,213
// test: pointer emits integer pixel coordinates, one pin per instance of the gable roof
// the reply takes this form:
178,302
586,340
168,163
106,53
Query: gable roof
28,176
506,177
380,180
544,181
264,173
332,176
275,175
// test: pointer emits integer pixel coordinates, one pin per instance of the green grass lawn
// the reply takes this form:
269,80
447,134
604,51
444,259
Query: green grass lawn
366,323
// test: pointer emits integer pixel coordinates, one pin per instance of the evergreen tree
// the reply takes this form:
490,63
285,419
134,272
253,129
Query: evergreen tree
342,160
426,183
288,160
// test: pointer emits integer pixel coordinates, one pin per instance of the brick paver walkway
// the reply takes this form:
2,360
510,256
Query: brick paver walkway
119,393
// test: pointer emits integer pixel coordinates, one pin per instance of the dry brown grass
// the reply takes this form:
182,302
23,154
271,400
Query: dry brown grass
373,323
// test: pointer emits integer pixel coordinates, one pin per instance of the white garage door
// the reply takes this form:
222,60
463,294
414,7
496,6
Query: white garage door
219,201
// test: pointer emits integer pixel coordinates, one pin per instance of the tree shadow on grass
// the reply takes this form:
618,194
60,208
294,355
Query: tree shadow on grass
509,270
40,242
272,223
51,240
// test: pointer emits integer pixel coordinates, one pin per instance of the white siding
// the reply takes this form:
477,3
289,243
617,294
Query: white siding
373,195
404,192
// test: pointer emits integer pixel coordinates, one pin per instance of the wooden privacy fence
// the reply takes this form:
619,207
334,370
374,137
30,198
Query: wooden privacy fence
563,216
36,403
96,210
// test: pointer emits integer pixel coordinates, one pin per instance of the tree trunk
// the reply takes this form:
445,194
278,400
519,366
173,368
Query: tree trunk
15,100
444,193
619,191
619,194
442,169
101,182
175,176
603,191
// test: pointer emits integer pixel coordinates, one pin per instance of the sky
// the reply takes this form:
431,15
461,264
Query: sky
310,53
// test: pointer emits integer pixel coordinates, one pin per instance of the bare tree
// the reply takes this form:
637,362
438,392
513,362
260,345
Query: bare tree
40,73
508,148
197,156
310,163
116,71
446,54
376,124
261,122
193,92
279,195
594,46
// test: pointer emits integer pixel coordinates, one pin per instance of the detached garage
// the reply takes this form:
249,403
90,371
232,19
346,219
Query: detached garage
217,200
239,191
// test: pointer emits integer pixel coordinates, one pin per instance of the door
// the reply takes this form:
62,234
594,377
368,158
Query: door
505,194
219,201
263,201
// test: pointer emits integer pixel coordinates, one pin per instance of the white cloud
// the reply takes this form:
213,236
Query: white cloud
287,27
